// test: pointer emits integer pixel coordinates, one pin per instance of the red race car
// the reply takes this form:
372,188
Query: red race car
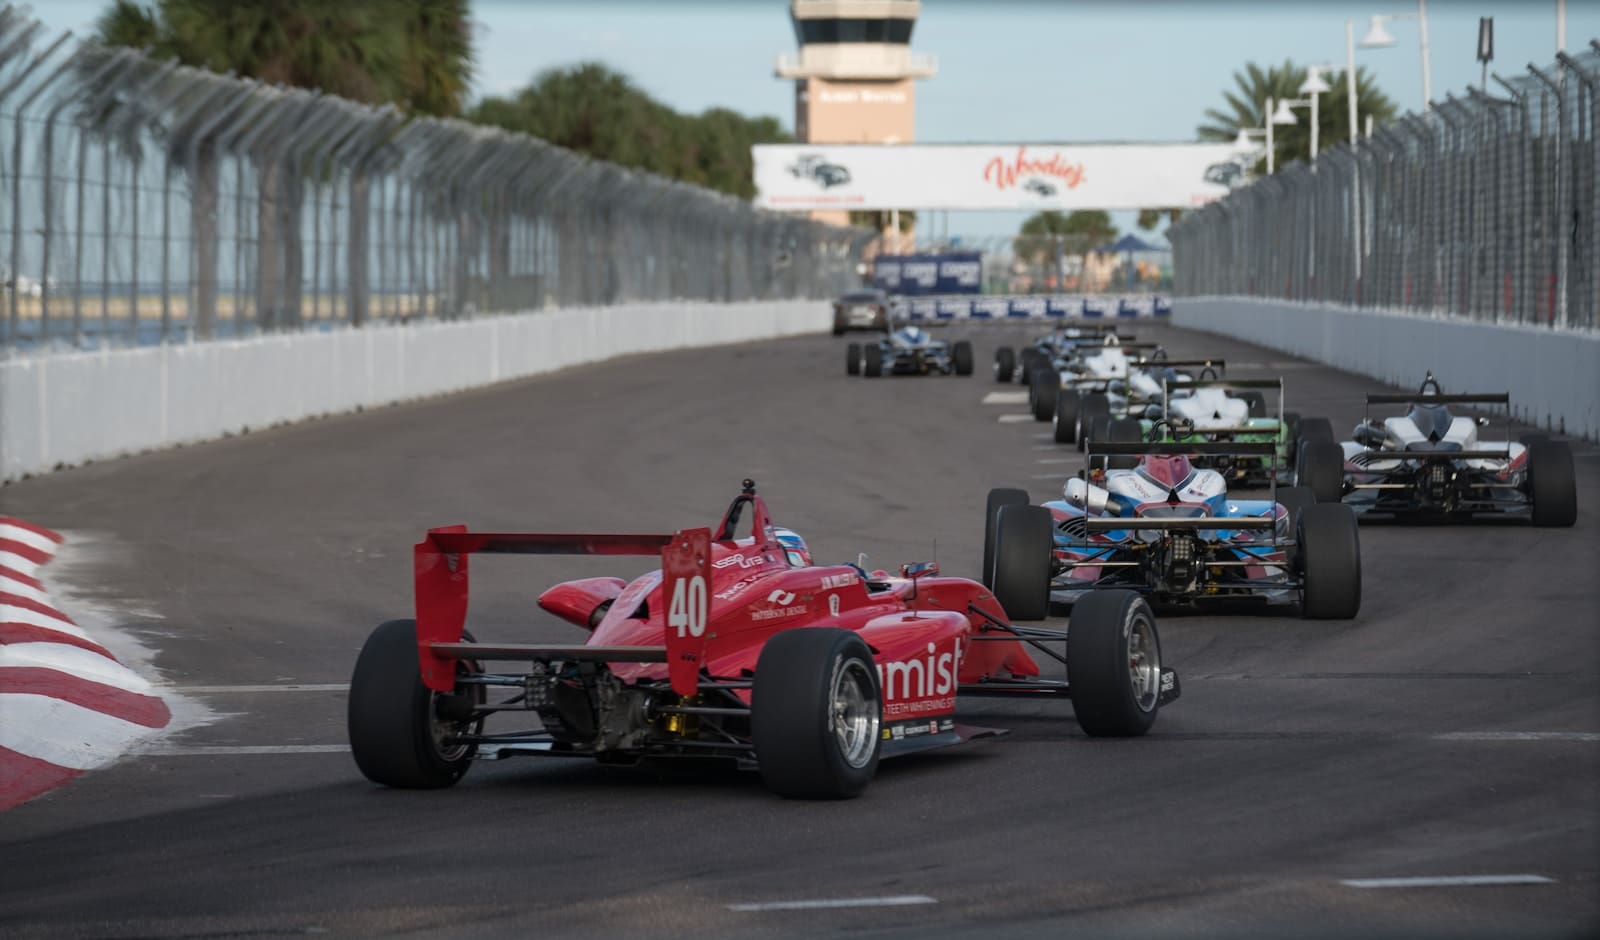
736,648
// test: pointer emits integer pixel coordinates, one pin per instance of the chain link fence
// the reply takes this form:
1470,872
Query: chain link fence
1486,207
144,201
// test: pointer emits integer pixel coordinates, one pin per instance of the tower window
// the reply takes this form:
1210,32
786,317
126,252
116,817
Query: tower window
853,30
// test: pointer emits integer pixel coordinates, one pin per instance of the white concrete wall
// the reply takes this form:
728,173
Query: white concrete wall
1553,376
59,410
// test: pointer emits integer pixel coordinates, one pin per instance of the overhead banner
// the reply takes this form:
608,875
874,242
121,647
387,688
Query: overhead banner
996,176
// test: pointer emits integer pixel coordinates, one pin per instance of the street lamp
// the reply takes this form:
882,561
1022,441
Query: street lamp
1247,134
1379,38
1286,117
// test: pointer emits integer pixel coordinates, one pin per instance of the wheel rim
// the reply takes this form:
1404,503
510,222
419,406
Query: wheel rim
853,713
441,730
1144,663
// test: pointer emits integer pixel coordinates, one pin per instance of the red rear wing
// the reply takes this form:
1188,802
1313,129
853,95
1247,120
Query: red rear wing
441,568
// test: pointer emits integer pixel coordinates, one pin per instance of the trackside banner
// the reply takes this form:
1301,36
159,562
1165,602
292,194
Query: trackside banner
996,176
1033,307
918,275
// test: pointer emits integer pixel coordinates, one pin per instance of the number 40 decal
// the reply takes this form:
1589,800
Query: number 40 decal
687,610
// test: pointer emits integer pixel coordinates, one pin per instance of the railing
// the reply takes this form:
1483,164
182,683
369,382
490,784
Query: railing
145,201
1486,207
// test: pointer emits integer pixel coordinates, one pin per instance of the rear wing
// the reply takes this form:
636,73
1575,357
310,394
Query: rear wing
1179,449
440,570
1219,364
1114,524
1392,398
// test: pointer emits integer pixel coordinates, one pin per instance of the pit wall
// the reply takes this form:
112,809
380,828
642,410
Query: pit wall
57,410
1553,376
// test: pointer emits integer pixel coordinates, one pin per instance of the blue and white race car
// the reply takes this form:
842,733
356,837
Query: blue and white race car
909,350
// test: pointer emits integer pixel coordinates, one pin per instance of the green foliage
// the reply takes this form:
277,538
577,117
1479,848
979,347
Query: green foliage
414,53
1076,232
1245,104
597,111
878,219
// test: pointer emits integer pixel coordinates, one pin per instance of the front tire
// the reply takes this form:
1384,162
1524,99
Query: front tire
1023,547
1114,664
852,359
1320,468
1328,545
396,736
1066,416
991,517
1123,431
1552,483
1042,392
1094,405
816,714
1005,365
871,363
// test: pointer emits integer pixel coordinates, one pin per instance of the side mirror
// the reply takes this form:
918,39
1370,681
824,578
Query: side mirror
919,569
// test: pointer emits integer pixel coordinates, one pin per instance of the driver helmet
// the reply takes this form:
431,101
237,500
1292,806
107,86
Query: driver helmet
793,546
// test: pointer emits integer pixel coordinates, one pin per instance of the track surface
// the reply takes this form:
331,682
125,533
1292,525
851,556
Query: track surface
1302,753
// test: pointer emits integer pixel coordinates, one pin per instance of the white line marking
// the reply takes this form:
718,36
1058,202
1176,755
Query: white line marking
1046,476
1006,398
1447,881
1585,736
1056,460
242,689
1014,419
902,900
230,750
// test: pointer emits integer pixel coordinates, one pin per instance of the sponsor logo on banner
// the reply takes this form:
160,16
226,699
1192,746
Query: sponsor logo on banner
1005,174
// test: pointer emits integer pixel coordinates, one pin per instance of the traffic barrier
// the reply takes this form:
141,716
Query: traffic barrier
60,410
1553,376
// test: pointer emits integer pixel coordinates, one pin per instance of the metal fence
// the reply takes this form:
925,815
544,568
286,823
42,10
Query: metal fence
1486,206
143,201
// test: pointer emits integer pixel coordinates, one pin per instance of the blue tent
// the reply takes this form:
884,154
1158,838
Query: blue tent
1127,245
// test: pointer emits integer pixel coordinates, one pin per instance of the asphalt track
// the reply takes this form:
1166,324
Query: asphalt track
1452,729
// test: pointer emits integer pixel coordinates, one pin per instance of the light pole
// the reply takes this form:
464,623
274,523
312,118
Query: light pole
1286,117
1247,134
1379,38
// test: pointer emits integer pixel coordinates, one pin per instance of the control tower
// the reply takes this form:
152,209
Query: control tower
853,77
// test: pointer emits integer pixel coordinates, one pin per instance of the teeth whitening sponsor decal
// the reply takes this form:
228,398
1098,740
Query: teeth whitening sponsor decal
923,685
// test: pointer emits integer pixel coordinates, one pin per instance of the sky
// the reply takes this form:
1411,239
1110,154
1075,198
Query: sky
1009,70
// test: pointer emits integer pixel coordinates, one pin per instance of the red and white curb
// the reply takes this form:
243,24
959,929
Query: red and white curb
66,704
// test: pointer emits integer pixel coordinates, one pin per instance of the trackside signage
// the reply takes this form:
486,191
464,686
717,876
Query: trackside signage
996,176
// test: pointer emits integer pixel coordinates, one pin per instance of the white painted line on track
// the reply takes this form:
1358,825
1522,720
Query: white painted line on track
1056,460
1006,398
231,750
1448,881
247,689
1583,736
1045,476
1014,419
901,900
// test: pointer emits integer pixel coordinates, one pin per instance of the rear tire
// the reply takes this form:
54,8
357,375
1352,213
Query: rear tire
961,355
1066,416
1316,429
991,516
1320,468
1123,431
394,732
852,359
1328,544
1114,664
816,714
871,363
1042,393
1023,546
1294,500
1094,405
1005,365
1552,484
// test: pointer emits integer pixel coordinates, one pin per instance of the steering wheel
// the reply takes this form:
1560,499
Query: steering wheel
1172,423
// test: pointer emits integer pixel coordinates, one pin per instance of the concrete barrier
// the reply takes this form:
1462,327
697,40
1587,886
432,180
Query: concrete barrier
1553,376
60,410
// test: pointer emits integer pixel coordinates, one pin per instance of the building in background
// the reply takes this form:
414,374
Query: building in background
854,76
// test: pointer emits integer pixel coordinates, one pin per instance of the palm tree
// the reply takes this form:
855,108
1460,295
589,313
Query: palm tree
1245,105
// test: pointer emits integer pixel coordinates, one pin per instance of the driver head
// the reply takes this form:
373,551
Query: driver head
793,546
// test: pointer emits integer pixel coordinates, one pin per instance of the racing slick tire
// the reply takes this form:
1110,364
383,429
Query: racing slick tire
991,515
1066,416
1256,402
816,714
1328,546
1030,357
1123,431
961,356
393,724
1316,429
1042,392
1290,433
1528,439
1320,468
1094,429
1024,542
1552,484
871,363
1094,405
1114,664
1005,365
852,359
